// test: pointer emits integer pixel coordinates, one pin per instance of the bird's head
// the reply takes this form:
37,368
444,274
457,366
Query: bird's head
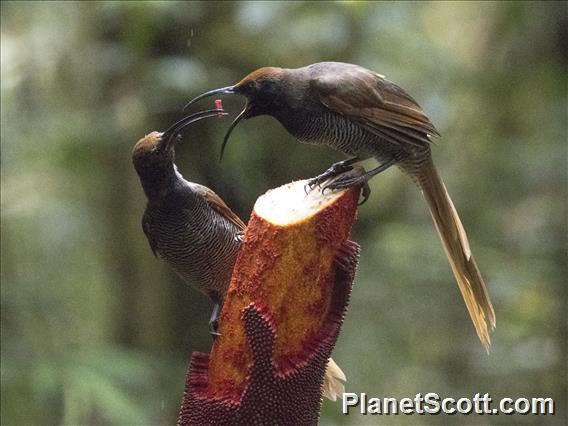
262,89
155,152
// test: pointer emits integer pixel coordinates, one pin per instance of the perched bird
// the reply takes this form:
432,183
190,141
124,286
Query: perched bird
186,224
191,227
364,115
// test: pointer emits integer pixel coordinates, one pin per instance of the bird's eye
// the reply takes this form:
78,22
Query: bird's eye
269,86
247,87
250,87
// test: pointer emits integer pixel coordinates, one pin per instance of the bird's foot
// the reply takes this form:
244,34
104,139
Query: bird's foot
213,326
356,176
214,321
336,169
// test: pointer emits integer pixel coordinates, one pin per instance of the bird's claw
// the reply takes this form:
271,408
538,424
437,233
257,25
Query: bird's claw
335,170
365,193
313,182
213,326
354,177
214,321
326,188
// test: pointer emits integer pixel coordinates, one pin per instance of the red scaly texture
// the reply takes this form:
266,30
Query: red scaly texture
274,396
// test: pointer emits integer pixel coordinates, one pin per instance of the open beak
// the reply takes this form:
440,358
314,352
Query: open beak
238,118
229,90
170,135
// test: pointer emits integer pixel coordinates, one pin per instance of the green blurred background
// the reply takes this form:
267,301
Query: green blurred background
95,330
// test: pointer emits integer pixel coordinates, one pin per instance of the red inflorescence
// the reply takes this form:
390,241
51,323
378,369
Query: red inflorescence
273,397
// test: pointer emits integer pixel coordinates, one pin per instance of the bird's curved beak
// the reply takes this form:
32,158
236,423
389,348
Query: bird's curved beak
170,135
229,90
243,114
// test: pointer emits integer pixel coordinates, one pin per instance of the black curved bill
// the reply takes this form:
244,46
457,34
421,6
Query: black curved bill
236,121
171,133
229,90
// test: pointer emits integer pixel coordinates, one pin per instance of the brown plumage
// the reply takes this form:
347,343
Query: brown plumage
187,224
362,114
217,204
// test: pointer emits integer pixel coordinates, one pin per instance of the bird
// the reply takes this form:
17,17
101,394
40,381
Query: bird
186,224
363,115
192,229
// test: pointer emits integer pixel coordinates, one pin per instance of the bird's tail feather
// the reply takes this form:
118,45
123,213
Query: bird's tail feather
333,381
457,249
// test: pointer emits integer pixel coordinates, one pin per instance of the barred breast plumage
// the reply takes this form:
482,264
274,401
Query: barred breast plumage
189,232
334,130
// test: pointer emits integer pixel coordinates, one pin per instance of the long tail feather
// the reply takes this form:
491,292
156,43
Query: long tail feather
457,249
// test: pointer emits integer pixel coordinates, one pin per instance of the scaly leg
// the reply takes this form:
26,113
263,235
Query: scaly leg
347,180
214,321
335,170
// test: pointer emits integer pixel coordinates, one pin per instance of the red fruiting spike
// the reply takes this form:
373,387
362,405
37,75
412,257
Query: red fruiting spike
273,395
219,105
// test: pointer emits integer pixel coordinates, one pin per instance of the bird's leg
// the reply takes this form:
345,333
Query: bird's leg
214,321
357,175
348,179
335,169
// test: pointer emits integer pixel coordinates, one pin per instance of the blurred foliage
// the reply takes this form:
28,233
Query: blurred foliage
97,331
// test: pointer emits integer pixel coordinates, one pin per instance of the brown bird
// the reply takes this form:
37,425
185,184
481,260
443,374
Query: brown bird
364,115
192,229
187,224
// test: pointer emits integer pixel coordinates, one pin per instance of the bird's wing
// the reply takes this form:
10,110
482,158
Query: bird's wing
217,204
147,228
375,103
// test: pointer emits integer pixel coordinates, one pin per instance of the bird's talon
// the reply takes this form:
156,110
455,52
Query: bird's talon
213,326
365,193
311,184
